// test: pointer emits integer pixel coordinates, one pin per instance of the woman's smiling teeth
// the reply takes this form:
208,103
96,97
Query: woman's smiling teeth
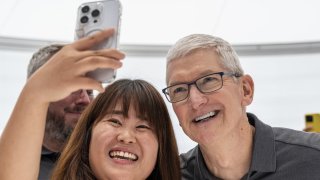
205,116
123,155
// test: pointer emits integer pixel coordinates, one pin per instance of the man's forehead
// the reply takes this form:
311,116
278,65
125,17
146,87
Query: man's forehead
178,73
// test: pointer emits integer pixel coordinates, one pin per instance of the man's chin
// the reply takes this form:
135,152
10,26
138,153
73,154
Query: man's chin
71,119
72,116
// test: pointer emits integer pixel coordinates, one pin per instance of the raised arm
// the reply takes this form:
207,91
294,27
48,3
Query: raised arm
21,140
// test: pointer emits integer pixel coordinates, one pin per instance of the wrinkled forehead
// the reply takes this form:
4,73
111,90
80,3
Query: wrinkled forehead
197,63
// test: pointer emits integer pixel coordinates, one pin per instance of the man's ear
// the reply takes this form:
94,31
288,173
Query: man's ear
248,89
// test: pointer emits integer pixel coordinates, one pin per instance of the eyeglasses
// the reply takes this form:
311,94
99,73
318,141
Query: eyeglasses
206,84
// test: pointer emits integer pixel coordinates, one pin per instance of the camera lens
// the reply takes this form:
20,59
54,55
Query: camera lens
84,19
85,9
95,13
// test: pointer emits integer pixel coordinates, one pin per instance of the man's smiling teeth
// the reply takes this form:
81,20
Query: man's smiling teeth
123,155
205,116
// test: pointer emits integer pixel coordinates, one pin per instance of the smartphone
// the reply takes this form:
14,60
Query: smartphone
96,16
313,120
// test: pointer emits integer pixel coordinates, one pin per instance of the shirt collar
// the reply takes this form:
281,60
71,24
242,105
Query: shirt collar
264,155
45,151
203,171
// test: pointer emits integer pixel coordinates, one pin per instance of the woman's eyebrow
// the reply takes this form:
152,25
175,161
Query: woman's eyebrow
142,118
117,112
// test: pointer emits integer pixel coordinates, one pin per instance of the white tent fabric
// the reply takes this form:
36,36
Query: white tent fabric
278,43
163,22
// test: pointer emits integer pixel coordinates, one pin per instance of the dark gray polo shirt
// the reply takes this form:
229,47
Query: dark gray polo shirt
278,153
48,160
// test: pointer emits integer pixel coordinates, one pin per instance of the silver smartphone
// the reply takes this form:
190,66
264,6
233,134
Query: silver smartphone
96,16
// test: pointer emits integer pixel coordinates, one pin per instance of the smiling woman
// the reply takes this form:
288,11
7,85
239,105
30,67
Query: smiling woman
125,133
127,143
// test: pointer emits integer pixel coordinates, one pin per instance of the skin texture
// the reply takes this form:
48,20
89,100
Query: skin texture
219,135
130,135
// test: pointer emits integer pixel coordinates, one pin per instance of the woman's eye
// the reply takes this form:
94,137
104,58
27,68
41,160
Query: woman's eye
115,122
143,127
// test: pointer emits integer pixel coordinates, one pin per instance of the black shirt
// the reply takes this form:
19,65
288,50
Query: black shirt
278,153
48,160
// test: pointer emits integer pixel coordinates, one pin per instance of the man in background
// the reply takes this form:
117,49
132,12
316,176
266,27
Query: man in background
62,115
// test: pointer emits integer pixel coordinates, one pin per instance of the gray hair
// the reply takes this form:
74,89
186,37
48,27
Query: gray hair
40,57
190,44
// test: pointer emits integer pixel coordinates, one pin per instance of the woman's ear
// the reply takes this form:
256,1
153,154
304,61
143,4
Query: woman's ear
248,89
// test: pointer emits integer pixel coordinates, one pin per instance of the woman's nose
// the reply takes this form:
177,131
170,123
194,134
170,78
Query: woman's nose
126,136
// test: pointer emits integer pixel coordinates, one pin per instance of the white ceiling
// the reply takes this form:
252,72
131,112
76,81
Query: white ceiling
162,22
165,21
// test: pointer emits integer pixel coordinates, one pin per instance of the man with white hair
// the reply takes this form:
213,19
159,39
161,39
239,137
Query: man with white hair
209,93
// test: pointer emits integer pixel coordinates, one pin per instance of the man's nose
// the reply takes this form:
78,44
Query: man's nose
196,98
83,97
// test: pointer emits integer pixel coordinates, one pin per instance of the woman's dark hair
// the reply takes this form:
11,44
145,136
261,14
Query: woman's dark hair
73,163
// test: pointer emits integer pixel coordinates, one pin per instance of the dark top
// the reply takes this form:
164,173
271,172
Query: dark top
48,160
278,153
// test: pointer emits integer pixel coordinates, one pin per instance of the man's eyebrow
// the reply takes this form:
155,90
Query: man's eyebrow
206,72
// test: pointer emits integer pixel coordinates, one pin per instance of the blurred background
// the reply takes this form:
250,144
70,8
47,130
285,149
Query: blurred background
278,43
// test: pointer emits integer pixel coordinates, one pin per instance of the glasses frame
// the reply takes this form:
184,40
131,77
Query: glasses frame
165,92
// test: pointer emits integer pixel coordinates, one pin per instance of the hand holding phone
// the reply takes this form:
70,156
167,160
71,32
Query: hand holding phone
93,17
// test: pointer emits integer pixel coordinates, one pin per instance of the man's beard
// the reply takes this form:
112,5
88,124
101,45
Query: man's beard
57,131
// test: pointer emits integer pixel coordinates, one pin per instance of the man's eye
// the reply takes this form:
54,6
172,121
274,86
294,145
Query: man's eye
209,79
179,90
90,93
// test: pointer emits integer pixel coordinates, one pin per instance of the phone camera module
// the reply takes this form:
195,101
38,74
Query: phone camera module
95,13
85,9
84,19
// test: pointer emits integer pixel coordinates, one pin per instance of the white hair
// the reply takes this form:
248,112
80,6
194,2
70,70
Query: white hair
190,44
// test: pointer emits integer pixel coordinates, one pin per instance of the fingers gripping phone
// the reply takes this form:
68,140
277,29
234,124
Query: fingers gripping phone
96,16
